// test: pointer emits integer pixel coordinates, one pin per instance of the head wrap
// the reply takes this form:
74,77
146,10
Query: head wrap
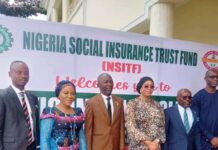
141,82
61,84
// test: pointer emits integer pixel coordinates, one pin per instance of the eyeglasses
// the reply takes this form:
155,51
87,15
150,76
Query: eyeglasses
213,77
186,97
149,87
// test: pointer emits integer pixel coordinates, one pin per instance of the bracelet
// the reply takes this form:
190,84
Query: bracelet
158,140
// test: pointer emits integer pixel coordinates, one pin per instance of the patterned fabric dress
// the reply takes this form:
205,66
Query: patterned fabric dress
59,131
144,121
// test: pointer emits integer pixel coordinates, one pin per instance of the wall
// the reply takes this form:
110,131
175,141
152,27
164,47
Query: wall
113,14
197,21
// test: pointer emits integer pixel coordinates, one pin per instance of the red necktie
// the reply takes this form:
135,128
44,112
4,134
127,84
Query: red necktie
26,114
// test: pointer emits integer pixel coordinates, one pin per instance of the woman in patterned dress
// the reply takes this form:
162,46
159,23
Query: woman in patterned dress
145,119
61,127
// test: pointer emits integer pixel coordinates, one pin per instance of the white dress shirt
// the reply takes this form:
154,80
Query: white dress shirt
17,91
189,113
111,102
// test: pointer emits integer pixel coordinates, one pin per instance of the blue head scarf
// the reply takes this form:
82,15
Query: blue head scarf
60,86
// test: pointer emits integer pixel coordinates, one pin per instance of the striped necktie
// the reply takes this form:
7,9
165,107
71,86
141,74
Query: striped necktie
27,118
186,123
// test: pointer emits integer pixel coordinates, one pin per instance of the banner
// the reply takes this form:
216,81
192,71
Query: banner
55,51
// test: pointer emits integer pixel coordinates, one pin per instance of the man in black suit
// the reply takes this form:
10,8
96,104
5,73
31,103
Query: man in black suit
18,112
182,131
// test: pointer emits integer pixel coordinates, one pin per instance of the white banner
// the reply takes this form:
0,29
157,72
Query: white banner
55,51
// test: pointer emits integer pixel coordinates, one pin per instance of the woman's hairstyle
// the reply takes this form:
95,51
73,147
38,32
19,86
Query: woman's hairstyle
141,82
61,84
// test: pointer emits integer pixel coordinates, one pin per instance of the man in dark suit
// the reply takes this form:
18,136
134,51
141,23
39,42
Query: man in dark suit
18,112
182,131
104,124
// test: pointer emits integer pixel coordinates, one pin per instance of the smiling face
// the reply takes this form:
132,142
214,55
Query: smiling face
147,89
67,95
105,84
19,74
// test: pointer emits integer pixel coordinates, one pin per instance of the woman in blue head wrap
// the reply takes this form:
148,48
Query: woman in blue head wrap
61,126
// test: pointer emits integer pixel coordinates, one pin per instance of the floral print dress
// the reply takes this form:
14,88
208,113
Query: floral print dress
144,121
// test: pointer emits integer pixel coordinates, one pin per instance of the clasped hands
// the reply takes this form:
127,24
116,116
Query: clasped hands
153,145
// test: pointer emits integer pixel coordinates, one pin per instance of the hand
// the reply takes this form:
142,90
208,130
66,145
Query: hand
154,145
147,142
214,142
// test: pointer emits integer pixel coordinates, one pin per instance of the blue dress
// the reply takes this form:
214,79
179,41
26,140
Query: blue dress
206,106
59,131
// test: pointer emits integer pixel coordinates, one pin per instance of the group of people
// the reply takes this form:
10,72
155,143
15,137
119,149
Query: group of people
192,124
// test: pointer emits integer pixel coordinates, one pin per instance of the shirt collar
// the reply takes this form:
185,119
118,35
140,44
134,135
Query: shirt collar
182,108
104,96
16,89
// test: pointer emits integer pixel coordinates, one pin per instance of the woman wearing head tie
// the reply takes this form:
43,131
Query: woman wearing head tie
145,119
61,126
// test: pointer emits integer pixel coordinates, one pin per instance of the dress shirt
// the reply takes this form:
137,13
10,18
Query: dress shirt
17,91
189,113
111,102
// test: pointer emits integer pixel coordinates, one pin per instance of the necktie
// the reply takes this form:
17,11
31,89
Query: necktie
186,123
26,114
109,108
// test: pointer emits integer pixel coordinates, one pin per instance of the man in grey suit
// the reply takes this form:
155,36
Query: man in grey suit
182,131
18,112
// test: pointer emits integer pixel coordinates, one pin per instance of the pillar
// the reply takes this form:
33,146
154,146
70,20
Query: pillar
161,20
65,8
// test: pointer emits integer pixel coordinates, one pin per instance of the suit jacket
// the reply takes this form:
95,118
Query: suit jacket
100,133
13,130
176,136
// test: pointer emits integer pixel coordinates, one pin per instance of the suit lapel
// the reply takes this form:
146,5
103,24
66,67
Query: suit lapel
103,107
33,109
178,119
116,108
32,106
194,120
15,99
